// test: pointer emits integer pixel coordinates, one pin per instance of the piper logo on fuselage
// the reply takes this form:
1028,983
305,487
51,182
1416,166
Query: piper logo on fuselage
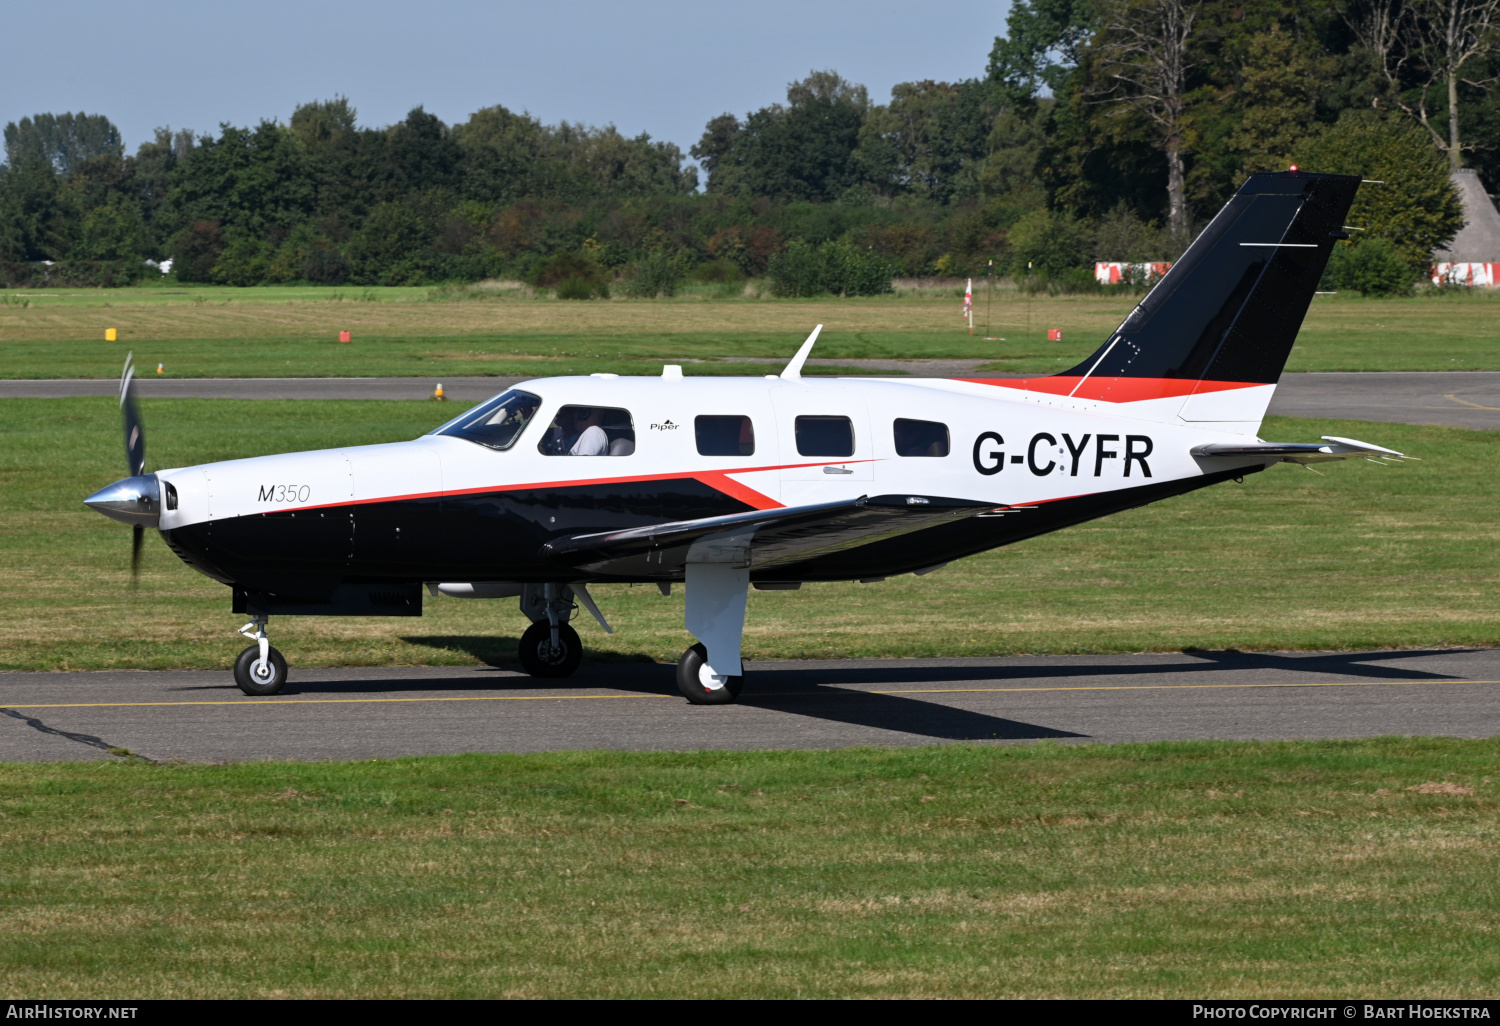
1071,454
665,426
284,493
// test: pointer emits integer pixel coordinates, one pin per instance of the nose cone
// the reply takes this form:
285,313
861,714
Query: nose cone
135,500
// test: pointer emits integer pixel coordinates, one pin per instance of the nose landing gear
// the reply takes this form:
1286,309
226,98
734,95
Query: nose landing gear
260,670
550,647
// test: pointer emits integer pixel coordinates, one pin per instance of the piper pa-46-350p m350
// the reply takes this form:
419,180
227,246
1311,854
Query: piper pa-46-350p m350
731,483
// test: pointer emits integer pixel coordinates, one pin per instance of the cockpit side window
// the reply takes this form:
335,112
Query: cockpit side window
495,424
589,431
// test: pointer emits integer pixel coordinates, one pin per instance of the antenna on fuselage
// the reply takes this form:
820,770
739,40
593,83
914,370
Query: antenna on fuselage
794,369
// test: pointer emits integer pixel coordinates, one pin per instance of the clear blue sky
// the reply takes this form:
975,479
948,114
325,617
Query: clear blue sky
658,66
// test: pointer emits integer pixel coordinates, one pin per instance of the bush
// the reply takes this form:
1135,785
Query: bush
1373,267
837,267
1052,244
795,271
655,274
716,272
325,266
196,249
579,287
848,271
243,262
569,268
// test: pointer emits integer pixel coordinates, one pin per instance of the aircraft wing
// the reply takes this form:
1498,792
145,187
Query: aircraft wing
761,539
1332,448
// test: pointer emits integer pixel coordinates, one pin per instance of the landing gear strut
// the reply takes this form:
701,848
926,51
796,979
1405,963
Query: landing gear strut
550,647
260,670
710,673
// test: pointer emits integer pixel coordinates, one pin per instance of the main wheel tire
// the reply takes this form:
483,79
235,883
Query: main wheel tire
690,680
260,684
540,659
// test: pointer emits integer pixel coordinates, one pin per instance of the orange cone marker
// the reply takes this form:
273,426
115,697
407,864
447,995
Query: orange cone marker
438,393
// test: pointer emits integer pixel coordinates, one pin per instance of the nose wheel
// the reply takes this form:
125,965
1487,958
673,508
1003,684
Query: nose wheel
548,651
260,670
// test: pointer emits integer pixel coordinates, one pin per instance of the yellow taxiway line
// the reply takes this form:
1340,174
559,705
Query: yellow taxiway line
774,694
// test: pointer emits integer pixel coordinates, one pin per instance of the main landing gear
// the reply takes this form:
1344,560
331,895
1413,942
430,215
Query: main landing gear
698,682
260,670
709,673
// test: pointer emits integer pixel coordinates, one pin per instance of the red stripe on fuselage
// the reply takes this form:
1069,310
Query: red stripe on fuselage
1111,389
719,480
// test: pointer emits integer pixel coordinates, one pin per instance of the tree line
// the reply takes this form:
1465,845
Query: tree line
1099,129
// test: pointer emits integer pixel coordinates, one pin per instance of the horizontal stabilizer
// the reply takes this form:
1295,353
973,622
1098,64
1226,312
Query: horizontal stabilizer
1332,448
759,540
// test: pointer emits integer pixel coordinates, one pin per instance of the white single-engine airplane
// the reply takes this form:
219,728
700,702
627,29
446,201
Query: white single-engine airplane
732,483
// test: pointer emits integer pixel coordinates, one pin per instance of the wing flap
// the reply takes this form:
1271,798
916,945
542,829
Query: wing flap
761,539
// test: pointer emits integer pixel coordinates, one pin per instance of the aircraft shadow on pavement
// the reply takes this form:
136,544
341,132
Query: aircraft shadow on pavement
1348,664
837,694
499,651
807,696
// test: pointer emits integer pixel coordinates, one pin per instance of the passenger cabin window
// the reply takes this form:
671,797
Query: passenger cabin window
495,424
725,436
921,438
825,436
589,431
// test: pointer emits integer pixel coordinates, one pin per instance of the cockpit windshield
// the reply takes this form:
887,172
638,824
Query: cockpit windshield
497,423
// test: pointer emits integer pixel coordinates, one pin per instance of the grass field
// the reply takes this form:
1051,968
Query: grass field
1189,870
292,332
1362,557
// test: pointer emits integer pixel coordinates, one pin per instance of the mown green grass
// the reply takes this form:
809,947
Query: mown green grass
1187,870
292,332
1361,557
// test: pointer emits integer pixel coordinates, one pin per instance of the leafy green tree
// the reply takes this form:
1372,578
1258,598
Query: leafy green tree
714,153
195,251
1278,102
63,140
420,153
31,210
254,182
802,151
931,140
324,123
1414,207
1041,46
501,151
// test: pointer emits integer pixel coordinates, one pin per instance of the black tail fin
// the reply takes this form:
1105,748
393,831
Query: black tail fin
1229,310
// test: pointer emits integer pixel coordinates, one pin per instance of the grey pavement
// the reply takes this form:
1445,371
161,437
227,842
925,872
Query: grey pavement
197,715
1466,399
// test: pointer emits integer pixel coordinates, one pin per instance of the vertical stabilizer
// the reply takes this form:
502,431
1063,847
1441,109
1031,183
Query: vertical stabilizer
1210,340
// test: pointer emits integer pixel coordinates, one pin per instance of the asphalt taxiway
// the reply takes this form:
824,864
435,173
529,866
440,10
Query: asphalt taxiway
199,716
1466,399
